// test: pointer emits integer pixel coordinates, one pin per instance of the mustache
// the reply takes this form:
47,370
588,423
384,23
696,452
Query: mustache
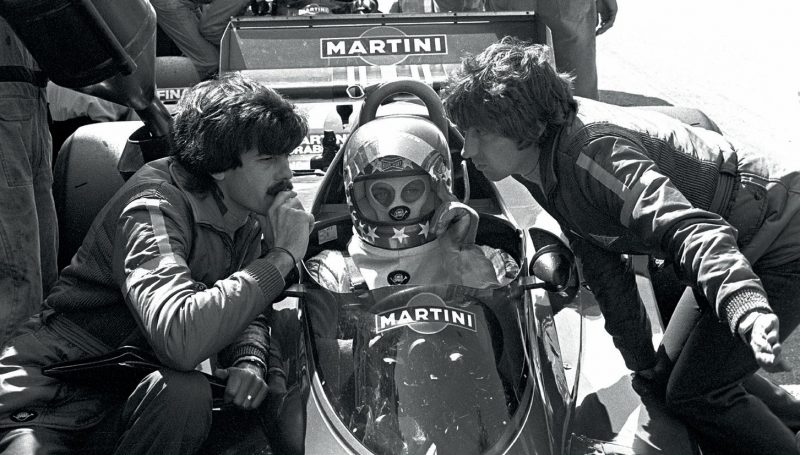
277,187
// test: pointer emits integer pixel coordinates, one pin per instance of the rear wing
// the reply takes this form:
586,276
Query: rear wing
335,57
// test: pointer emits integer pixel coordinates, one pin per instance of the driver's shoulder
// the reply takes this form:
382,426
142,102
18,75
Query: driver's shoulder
328,268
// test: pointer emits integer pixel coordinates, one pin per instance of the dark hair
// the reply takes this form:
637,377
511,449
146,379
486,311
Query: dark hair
219,119
512,90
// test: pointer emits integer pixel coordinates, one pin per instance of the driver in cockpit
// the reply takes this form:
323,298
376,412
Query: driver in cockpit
409,230
408,227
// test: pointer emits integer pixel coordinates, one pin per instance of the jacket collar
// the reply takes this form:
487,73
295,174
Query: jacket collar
548,154
207,208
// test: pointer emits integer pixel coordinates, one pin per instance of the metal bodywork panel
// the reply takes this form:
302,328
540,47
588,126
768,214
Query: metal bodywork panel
315,58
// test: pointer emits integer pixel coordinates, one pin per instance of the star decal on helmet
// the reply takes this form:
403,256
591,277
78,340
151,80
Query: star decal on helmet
425,229
371,232
400,234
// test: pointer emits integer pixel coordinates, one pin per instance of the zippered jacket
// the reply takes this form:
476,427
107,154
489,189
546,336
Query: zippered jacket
622,180
168,269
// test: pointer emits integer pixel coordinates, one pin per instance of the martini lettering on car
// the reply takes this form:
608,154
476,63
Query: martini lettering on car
428,315
383,46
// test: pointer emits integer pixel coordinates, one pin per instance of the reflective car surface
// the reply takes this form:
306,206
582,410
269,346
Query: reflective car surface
425,369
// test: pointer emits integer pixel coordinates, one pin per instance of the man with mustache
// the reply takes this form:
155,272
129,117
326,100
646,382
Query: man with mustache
177,264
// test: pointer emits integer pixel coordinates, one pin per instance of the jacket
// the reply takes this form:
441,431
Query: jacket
621,180
164,268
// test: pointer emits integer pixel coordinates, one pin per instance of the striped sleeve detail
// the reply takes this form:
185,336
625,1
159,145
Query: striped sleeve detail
601,175
157,221
629,195
166,255
159,227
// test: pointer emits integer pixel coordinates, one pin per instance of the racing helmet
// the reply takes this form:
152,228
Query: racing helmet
397,170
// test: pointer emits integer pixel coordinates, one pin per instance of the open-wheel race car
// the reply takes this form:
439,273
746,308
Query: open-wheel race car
523,368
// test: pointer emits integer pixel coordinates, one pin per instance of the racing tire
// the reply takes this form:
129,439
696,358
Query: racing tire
84,179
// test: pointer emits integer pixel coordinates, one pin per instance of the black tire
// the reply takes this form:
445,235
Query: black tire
85,178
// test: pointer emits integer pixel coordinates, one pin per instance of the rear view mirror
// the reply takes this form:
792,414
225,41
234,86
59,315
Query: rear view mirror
553,263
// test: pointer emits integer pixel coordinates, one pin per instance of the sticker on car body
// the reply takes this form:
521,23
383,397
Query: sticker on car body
383,46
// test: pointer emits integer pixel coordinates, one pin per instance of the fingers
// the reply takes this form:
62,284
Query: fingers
245,389
606,22
765,344
604,27
282,197
772,362
220,373
458,220
607,11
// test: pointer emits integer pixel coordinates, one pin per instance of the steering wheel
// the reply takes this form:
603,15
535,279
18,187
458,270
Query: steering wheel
412,87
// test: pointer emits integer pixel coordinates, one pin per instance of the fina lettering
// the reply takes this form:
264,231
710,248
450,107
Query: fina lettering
408,316
170,94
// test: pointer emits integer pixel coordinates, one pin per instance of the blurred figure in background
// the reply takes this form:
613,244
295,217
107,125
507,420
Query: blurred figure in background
70,110
196,27
574,24
28,230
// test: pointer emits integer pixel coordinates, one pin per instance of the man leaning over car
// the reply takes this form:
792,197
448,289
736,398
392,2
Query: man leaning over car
623,181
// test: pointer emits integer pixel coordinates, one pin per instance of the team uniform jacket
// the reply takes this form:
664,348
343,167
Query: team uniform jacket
622,180
173,271
161,268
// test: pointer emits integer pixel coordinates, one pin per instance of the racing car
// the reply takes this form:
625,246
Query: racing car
563,385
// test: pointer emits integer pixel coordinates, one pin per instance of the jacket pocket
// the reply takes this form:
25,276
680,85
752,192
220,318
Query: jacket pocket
16,130
748,209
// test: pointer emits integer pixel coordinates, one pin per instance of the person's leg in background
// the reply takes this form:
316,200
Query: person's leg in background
216,15
713,376
28,228
45,205
180,20
573,24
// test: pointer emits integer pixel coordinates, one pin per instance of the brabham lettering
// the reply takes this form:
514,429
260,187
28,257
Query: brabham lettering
408,316
312,144
364,46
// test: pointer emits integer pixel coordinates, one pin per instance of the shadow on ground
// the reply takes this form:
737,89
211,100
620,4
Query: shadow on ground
630,99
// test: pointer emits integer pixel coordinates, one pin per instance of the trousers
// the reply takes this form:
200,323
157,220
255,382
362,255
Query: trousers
28,225
572,24
713,386
197,31
167,412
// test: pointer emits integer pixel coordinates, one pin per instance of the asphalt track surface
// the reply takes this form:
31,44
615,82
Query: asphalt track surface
736,63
